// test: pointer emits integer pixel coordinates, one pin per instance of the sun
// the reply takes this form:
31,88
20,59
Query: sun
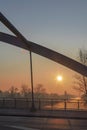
59,78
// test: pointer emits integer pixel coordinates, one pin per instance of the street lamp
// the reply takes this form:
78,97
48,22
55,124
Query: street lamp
32,88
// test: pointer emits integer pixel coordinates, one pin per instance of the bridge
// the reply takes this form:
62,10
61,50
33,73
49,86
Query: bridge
76,117
20,41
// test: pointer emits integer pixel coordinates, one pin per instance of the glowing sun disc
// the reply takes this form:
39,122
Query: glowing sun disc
59,78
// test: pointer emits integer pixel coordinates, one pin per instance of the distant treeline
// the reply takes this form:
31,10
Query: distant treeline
25,92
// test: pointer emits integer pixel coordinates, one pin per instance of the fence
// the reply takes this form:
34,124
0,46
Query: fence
43,104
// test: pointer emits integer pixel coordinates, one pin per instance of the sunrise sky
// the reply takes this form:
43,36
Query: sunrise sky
57,24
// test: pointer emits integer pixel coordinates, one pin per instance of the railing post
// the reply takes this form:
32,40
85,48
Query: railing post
3,103
78,104
51,104
27,103
15,103
39,104
65,104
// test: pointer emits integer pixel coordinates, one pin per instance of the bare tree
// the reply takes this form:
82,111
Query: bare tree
80,81
40,91
13,91
25,91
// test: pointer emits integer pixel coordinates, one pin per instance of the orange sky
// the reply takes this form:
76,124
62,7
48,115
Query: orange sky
15,70
60,26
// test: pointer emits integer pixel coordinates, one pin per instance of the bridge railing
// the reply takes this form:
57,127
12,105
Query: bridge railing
43,104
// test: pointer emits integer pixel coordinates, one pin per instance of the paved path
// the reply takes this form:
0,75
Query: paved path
65,114
3,127
34,123
11,119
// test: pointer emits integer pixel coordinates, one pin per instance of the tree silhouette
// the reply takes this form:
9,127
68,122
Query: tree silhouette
25,91
80,81
13,91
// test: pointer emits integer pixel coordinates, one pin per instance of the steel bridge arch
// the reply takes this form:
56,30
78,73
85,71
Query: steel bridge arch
20,41
43,51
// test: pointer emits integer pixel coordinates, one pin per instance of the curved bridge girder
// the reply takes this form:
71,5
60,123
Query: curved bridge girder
21,41
43,51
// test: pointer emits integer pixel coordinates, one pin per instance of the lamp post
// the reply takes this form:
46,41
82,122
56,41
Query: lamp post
32,88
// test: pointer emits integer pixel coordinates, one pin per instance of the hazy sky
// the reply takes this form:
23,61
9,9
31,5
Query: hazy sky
57,24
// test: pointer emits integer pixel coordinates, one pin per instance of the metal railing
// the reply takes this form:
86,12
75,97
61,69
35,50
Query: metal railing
43,104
